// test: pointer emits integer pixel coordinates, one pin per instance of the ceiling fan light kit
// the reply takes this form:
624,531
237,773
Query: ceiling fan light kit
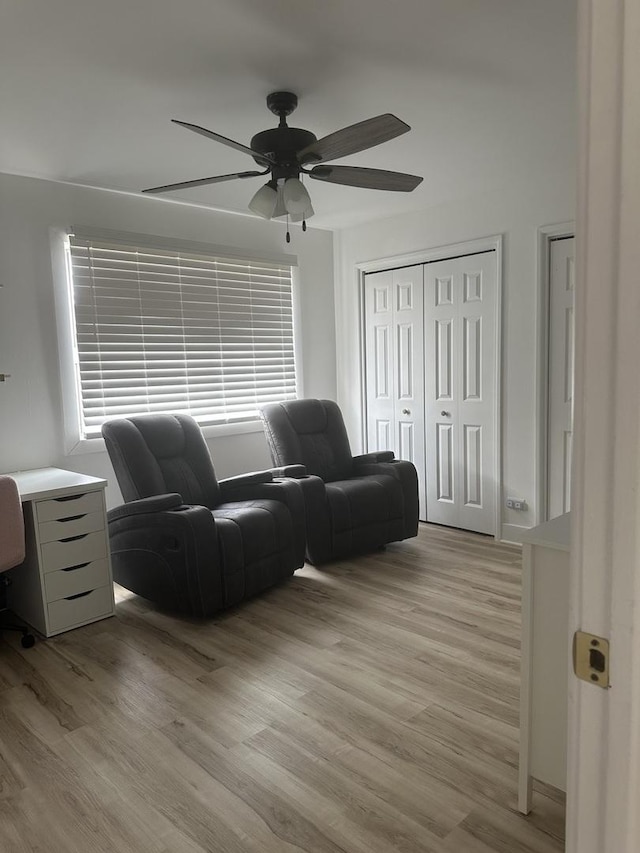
296,198
264,202
285,153
286,197
304,216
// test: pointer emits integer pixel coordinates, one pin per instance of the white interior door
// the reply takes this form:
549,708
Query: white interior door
460,366
561,354
394,366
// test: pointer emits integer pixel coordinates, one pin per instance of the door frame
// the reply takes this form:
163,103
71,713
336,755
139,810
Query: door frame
546,234
424,256
603,783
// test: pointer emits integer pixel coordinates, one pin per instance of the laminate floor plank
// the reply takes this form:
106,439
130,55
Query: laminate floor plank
145,762
294,815
402,746
452,636
314,668
486,622
359,802
366,706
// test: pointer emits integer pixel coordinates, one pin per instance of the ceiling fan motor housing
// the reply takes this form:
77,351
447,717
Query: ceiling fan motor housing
282,144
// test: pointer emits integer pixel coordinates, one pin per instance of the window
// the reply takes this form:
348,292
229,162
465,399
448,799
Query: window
161,330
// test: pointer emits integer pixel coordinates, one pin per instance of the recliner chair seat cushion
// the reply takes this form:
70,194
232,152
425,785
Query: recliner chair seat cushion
264,528
252,538
364,501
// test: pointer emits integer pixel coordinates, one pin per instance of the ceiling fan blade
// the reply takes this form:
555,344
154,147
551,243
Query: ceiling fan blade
372,179
201,182
263,158
356,137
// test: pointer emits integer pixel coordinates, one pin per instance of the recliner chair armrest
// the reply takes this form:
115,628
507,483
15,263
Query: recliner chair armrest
407,475
241,480
170,556
377,456
317,519
294,471
156,503
393,468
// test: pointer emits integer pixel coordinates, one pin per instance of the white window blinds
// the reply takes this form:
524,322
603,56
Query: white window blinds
164,331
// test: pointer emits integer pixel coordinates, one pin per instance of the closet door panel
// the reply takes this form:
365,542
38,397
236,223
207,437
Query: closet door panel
441,371
476,277
409,402
379,367
459,391
394,368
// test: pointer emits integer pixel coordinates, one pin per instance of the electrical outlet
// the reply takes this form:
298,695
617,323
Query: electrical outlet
516,503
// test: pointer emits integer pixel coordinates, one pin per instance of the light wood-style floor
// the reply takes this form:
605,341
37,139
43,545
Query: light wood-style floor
367,707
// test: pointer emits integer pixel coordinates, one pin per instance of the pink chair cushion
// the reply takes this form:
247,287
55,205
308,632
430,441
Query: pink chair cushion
11,524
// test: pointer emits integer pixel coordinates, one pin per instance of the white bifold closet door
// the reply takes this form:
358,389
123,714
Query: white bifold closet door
561,347
460,372
394,377
430,382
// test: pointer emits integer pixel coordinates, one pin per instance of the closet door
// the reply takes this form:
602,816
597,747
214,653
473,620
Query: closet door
394,373
561,323
460,368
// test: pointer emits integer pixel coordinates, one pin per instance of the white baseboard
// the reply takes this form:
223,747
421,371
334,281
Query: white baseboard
512,533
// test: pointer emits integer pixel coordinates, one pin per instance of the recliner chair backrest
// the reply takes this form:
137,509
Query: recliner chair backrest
158,454
310,433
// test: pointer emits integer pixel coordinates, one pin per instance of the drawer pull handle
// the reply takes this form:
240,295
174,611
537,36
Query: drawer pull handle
78,595
74,538
68,498
71,518
73,568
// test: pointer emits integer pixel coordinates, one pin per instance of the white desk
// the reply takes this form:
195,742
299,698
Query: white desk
65,580
545,657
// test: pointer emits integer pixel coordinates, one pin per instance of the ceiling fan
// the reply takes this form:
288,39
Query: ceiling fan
285,153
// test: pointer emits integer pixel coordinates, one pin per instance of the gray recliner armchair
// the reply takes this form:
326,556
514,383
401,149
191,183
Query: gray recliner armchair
186,540
353,504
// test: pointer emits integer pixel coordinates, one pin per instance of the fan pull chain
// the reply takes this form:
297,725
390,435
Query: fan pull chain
288,234
304,221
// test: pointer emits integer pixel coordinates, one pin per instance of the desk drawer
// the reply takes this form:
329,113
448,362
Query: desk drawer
65,582
68,612
67,507
60,555
48,531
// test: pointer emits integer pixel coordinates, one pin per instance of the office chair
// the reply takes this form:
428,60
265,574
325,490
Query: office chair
12,549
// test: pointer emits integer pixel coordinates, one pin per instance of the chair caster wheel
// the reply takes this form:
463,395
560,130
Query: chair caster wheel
27,641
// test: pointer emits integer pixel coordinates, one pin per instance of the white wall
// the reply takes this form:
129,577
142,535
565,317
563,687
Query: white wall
516,212
31,431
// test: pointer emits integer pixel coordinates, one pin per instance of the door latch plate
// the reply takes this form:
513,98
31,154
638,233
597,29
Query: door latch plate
591,658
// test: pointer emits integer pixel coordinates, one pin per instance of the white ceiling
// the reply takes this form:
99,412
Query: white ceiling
88,89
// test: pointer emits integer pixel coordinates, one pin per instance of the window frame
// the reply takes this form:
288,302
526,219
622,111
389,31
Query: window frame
73,439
